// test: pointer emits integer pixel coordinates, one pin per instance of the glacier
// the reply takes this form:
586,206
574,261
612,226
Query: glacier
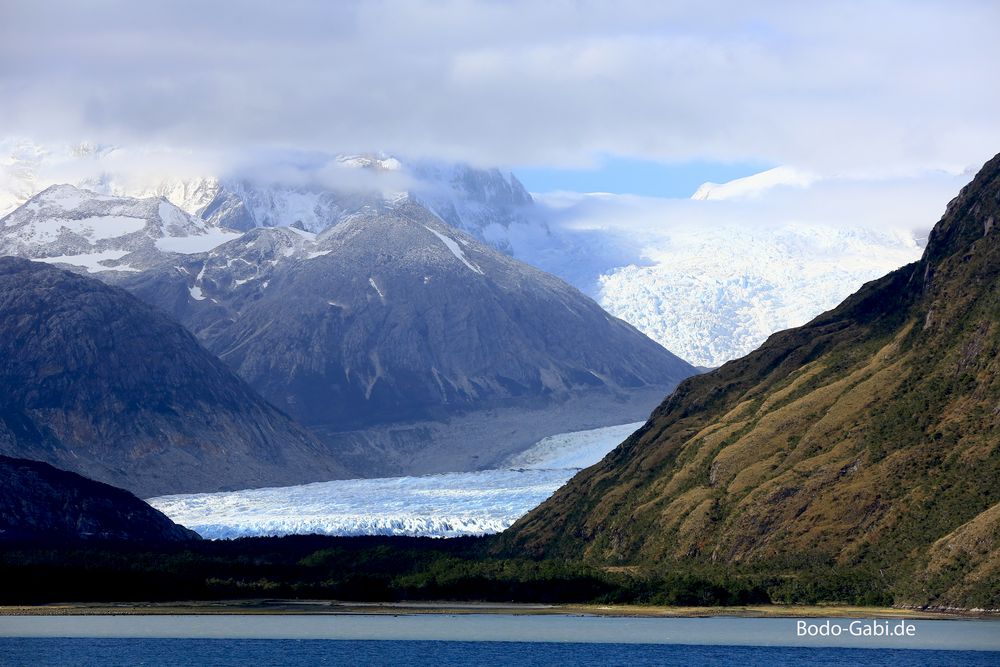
441,505
711,295
709,278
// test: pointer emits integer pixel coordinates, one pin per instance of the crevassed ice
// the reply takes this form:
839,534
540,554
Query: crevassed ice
444,505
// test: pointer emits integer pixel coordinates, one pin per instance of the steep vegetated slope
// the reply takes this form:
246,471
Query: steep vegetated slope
866,441
39,503
96,382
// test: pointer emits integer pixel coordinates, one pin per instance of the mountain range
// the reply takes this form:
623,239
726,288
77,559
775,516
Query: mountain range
98,383
863,444
866,441
393,317
405,344
708,295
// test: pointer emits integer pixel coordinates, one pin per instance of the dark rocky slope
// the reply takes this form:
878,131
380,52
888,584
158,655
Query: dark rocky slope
386,332
96,382
866,441
39,503
406,345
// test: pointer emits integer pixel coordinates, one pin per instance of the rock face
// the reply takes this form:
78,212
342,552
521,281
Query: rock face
39,503
65,225
707,293
868,439
388,322
101,384
483,203
314,190
393,316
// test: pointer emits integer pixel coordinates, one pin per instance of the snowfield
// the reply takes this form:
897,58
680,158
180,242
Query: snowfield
709,278
89,261
714,295
191,245
445,505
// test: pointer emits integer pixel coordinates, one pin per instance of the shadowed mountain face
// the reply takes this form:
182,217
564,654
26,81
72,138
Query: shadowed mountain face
39,503
395,315
870,437
99,383
392,317
407,345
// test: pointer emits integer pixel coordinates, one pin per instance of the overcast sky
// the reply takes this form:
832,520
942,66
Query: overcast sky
850,87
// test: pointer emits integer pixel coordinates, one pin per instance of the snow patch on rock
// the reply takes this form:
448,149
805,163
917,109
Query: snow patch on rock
455,249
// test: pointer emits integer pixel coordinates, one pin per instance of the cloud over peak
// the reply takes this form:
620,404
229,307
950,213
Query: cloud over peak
883,85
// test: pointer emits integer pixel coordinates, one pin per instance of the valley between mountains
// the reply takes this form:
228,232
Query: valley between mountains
386,364
867,440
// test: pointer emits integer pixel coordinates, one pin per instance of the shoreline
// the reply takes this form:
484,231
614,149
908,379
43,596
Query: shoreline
282,607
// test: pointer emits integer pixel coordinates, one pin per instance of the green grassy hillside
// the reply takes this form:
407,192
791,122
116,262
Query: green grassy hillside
866,442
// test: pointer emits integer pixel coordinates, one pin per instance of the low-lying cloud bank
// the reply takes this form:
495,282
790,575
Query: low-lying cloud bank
889,85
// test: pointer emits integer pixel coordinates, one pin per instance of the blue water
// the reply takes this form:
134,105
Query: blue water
36,652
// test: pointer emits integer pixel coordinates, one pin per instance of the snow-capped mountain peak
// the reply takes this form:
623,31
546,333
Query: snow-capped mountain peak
370,162
64,224
314,191
755,184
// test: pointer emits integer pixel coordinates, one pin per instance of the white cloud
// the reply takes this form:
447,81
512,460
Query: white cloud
828,87
911,204
598,233
710,279
755,185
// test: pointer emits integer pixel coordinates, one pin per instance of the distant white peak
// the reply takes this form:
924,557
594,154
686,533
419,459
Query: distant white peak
192,195
173,220
309,236
86,149
178,223
67,197
16,151
751,186
370,162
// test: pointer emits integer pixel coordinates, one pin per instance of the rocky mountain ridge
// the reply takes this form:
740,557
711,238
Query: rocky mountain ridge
867,441
40,503
82,229
387,320
394,317
98,383
708,293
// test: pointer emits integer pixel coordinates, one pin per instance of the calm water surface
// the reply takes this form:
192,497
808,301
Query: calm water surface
476,639
294,652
